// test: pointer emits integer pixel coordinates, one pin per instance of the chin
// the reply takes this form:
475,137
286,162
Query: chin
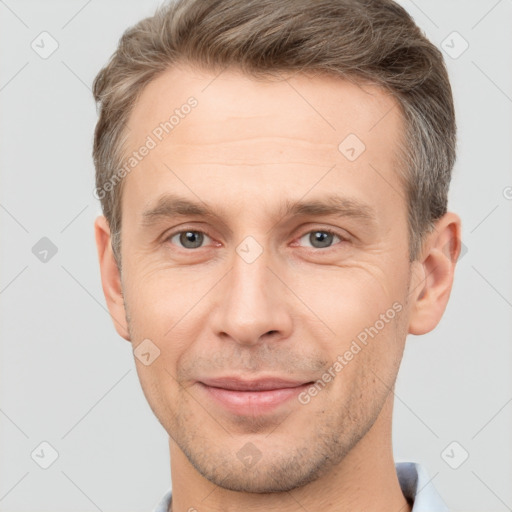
282,474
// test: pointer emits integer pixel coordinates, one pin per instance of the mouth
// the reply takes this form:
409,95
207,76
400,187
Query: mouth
251,397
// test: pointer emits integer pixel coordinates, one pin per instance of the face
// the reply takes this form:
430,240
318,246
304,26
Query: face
265,256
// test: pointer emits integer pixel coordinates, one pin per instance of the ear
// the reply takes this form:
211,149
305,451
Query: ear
433,273
110,277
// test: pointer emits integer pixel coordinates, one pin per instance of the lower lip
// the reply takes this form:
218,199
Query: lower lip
252,402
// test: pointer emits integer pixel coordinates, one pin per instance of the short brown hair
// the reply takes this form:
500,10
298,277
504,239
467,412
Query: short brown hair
373,41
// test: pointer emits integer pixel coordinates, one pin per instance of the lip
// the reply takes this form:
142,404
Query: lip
251,397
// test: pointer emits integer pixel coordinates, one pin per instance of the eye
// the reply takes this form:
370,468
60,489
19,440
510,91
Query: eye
320,239
188,239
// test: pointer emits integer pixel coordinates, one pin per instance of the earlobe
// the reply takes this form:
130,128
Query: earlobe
110,277
433,275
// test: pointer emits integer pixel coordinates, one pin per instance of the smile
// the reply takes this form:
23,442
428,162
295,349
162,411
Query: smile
256,397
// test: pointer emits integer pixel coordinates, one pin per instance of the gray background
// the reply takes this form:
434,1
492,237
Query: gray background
67,378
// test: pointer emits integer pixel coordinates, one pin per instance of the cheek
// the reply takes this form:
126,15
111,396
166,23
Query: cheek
361,312
160,298
348,300
169,307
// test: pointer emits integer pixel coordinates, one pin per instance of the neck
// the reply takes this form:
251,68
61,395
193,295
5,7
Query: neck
365,480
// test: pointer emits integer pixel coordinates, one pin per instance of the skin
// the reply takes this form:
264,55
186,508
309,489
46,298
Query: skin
248,146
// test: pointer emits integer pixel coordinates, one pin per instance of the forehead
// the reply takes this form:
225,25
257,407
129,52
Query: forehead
331,106
230,132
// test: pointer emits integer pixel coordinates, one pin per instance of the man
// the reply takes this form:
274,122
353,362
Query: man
274,179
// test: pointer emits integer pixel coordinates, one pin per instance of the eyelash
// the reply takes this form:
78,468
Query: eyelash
328,231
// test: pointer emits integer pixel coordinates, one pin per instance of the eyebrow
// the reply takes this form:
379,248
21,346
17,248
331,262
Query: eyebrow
170,205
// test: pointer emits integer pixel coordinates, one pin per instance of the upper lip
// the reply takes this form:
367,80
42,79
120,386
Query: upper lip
262,384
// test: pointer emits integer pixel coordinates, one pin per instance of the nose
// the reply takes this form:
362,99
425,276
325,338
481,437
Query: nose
253,304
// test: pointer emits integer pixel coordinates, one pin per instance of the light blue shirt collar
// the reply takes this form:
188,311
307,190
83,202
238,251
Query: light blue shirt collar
414,481
418,488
